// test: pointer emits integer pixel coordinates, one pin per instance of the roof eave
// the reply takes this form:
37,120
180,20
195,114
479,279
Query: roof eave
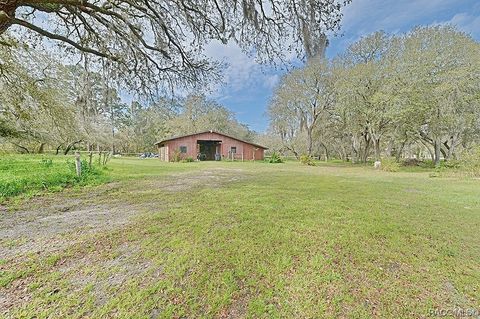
177,137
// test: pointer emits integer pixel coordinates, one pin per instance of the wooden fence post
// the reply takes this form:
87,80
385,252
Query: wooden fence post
78,164
90,155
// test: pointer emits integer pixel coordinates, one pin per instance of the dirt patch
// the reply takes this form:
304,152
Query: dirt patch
105,276
52,232
210,178
16,294
454,296
237,309
52,222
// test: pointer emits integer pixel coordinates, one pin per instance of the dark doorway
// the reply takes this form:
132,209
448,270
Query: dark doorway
208,150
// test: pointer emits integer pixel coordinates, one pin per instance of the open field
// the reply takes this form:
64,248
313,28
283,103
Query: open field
235,240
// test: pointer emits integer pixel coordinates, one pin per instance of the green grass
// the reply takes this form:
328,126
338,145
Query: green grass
284,241
31,174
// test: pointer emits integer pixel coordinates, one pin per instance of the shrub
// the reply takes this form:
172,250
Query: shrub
390,165
177,156
307,160
427,164
470,162
450,164
411,162
467,166
275,158
188,160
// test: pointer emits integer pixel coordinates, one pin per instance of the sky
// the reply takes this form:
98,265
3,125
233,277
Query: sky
248,86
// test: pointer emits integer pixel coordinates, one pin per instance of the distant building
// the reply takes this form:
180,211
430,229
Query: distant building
208,146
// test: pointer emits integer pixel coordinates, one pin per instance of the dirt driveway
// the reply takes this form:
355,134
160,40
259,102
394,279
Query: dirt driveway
52,222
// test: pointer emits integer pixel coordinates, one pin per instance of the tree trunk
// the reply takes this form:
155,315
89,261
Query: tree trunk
344,154
69,147
445,156
354,155
23,148
7,12
41,148
432,155
376,144
310,142
297,156
326,151
58,149
366,151
451,148
399,151
438,148
355,149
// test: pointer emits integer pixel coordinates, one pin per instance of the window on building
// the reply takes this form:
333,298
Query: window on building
233,149
183,149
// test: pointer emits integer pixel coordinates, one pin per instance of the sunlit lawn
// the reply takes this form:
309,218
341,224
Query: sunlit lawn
279,241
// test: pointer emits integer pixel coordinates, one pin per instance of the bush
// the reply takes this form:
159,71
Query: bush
188,160
411,162
390,165
177,156
427,164
275,158
470,163
450,164
307,160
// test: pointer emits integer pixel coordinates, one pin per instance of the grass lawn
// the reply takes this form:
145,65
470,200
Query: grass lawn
244,240
28,175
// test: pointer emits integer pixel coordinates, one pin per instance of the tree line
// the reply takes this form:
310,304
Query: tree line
410,95
47,105
146,48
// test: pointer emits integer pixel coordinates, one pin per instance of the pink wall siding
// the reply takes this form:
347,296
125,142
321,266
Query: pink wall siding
190,142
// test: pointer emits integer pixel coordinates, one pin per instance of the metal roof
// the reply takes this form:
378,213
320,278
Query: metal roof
177,137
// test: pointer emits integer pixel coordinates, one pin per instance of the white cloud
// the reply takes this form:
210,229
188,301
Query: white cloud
271,81
467,22
242,72
366,16
240,67
363,17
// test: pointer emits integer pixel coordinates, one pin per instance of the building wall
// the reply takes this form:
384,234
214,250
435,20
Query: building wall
249,151
163,153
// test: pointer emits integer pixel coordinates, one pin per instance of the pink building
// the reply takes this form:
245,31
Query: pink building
209,145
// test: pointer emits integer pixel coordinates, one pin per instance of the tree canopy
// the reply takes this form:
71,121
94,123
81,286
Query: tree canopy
161,42
400,95
45,104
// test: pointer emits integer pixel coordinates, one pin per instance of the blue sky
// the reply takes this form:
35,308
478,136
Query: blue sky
248,86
